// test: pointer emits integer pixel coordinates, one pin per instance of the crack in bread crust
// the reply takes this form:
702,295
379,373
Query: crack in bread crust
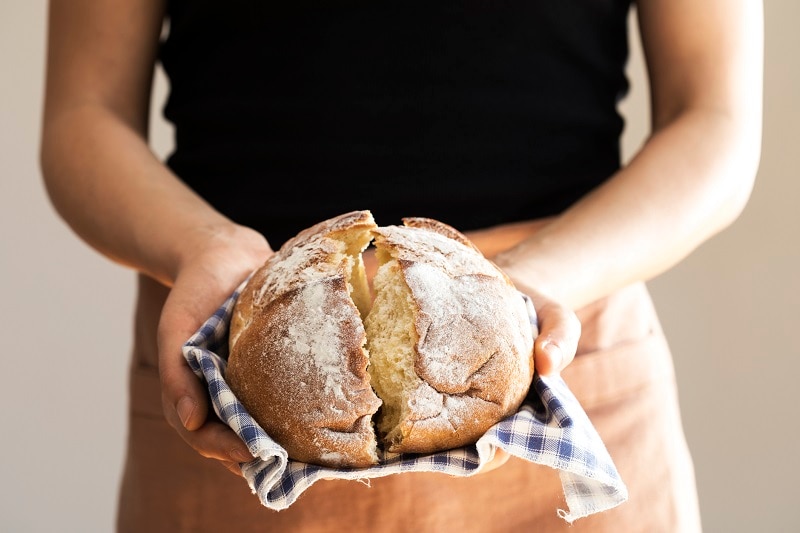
473,346
446,345
297,358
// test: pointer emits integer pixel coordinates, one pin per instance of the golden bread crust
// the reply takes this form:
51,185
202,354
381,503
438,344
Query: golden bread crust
474,353
297,357
296,351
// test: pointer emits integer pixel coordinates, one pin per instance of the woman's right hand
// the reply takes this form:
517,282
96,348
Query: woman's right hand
216,262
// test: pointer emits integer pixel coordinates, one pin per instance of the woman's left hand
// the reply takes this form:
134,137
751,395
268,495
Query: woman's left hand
559,331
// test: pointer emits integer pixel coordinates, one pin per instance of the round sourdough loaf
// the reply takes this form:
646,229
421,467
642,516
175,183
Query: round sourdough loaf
441,352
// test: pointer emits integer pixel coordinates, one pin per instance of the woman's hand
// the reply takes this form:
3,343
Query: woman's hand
219,262
553,349
559,331
559,328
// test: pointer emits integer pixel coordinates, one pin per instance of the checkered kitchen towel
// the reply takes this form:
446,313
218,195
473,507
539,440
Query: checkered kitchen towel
550,429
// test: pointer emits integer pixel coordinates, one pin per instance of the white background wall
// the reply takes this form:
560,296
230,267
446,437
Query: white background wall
730,310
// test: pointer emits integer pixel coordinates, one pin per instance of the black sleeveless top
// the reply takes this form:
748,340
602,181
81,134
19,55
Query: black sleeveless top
474,112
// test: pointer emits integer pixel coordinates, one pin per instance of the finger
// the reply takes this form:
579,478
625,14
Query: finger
184,392
557,342
501,457
185,397
214,440
233,468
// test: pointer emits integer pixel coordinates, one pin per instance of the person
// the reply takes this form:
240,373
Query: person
498,118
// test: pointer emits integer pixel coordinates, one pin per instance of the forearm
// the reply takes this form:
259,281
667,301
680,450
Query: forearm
99,171
692,177
117,196
689,181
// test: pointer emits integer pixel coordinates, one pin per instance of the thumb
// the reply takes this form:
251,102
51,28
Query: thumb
557,342
181,390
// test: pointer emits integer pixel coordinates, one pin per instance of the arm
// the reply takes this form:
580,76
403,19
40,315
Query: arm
110,188
100,174
691,178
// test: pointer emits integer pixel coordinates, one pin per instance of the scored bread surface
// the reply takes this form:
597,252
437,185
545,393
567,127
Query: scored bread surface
448,342
297,360
471,362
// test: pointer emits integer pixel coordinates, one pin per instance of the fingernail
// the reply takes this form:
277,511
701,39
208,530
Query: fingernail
185,408
240,456
554,351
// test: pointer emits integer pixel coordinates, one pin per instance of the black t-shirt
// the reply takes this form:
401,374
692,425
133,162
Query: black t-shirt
474,112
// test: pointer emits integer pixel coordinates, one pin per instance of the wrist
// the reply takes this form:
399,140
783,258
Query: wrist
238,245
523,274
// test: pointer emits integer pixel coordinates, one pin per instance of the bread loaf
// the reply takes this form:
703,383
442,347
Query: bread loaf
442,353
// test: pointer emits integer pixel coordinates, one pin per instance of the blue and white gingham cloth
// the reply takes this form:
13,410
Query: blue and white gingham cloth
550,429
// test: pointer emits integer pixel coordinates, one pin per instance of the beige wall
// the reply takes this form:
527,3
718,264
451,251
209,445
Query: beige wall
730,311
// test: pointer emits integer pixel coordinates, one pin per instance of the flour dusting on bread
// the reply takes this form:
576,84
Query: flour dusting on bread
297,357
445,345
466,361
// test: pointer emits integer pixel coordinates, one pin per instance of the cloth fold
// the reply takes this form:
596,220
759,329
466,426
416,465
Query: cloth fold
550,429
